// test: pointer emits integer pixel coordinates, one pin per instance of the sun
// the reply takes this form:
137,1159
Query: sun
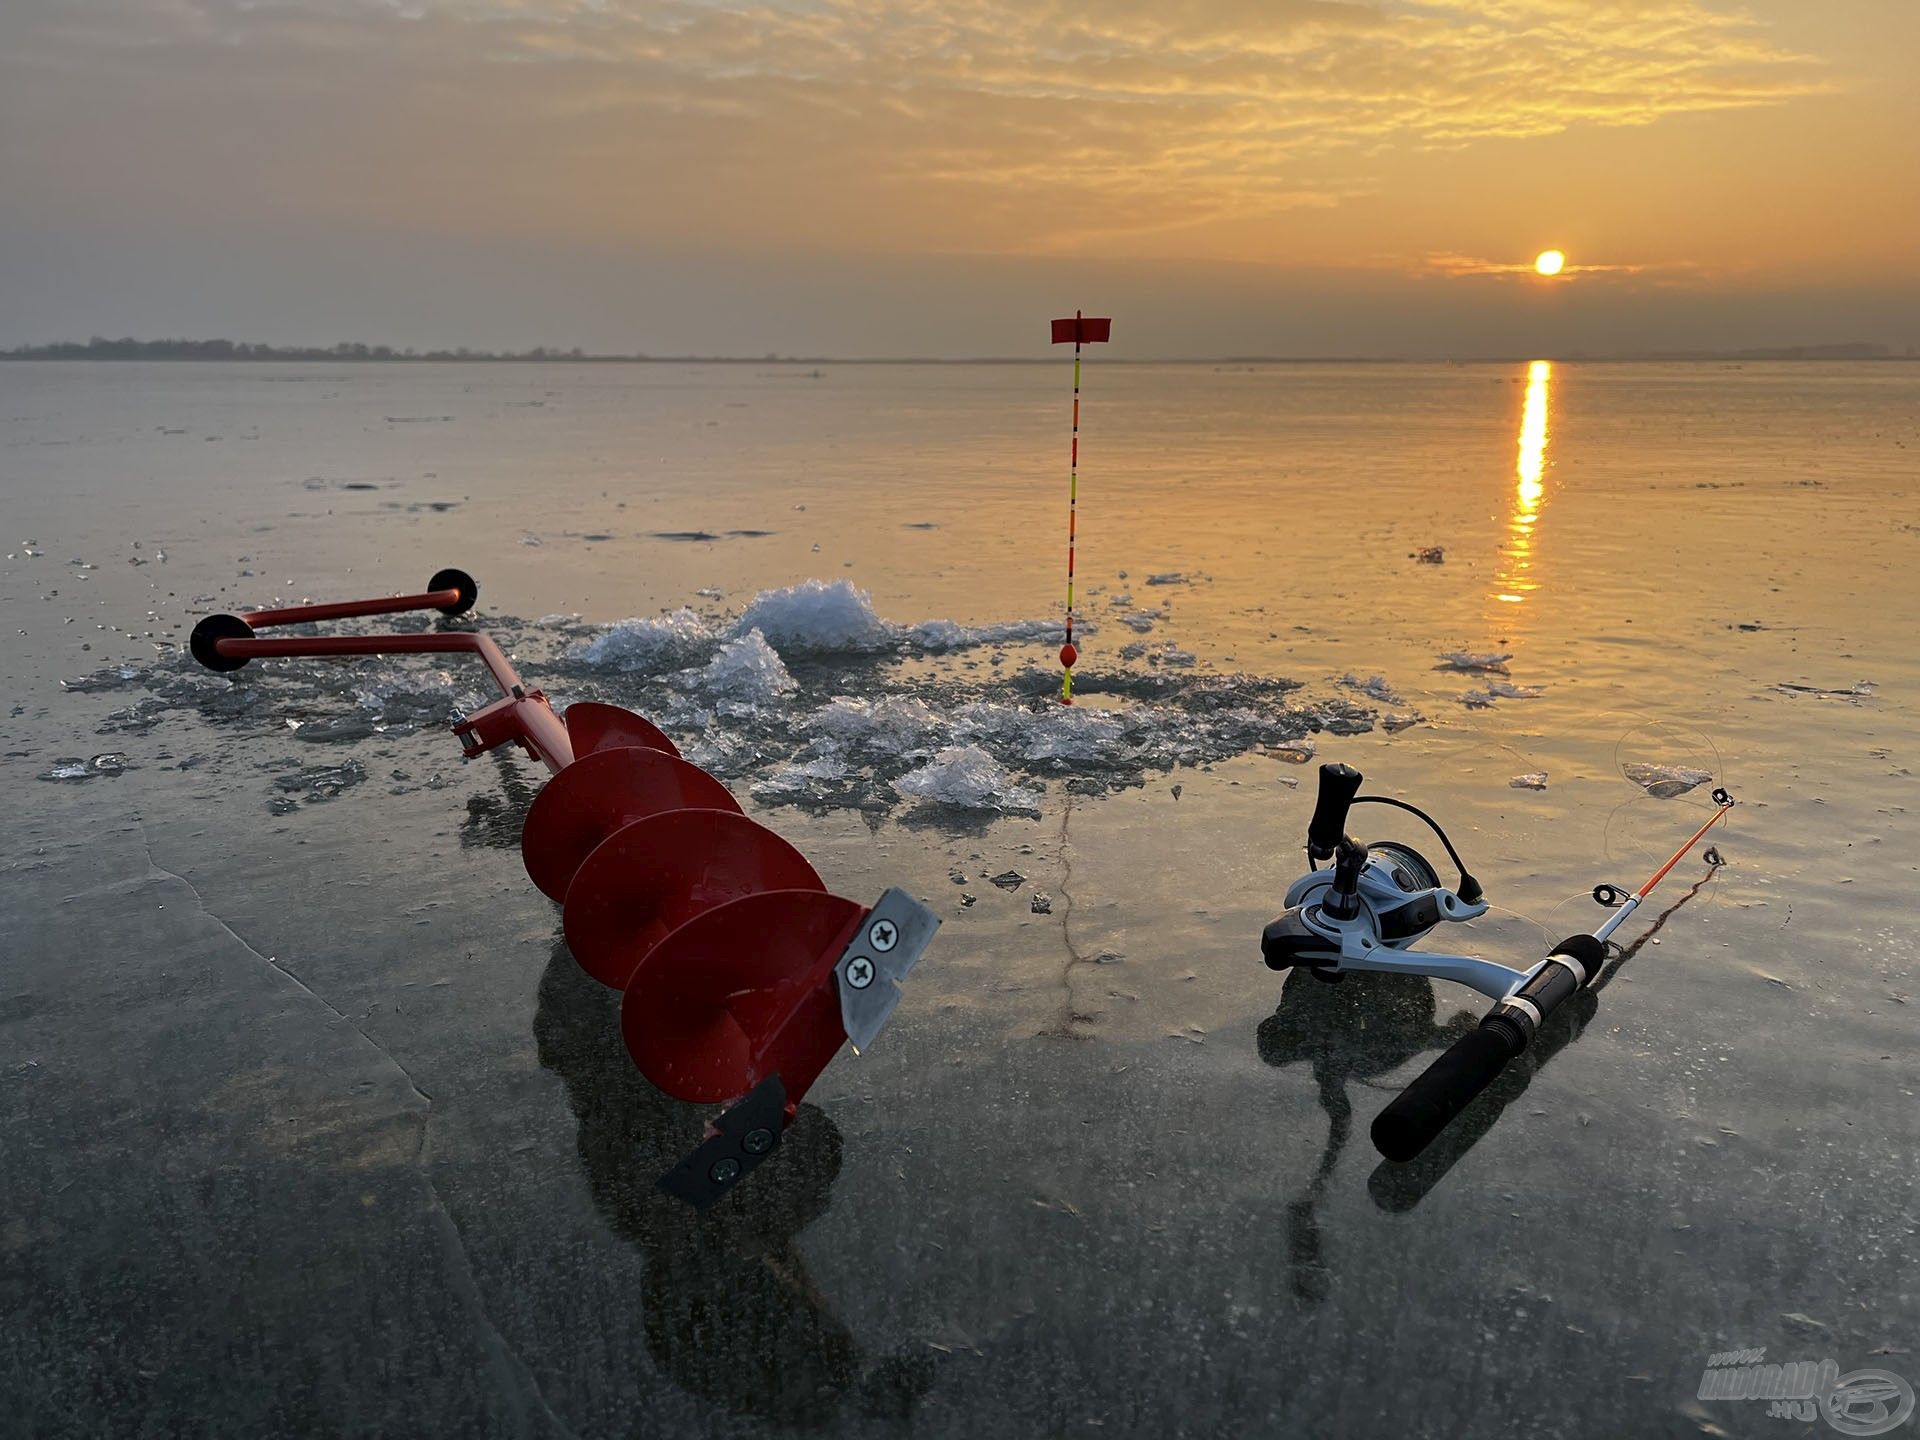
1549,262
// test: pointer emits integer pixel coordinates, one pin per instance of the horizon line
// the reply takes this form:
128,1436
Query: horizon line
128,350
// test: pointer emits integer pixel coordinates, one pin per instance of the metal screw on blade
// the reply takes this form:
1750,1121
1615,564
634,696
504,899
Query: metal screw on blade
757,1142
725,1171
883,936
860,972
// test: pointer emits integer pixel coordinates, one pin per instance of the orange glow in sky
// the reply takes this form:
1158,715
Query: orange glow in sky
909,176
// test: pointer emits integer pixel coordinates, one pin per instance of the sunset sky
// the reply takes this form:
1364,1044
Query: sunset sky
895,177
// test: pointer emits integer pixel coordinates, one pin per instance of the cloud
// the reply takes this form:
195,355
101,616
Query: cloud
978,126
1456,267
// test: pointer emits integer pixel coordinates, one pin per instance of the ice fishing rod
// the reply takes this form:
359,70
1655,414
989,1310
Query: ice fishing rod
1376,901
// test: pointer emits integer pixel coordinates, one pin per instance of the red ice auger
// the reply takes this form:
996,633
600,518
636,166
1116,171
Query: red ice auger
742,975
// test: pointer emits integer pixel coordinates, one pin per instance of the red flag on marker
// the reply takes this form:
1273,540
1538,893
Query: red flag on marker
1082,330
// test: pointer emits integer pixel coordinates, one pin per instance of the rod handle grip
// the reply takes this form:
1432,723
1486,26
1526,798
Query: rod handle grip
1449,1085
1443,1090
1338,785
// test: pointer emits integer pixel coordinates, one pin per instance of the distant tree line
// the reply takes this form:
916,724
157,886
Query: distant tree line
99,348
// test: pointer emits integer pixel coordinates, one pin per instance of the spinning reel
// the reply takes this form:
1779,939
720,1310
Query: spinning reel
1375,902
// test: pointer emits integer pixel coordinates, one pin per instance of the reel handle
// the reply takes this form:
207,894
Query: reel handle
1446,1087
1338,785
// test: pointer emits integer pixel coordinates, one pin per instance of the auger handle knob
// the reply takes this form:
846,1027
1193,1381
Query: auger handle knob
1338,785
204,643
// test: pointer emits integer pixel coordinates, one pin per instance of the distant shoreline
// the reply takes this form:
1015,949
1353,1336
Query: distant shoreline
234,352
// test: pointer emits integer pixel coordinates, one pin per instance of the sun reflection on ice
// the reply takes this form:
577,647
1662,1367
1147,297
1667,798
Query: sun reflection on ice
1515,581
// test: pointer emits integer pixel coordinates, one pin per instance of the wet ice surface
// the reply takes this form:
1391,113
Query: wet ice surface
308,1112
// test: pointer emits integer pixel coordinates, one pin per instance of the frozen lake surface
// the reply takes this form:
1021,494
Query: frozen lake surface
311,1125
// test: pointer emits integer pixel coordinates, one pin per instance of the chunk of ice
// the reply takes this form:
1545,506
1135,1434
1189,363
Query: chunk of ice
1499,690
1492,663
748,670
967,778
647,646
1665,782
1374,686
936,636
819,615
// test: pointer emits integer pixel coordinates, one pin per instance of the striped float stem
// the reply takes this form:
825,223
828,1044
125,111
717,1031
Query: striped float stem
1073,522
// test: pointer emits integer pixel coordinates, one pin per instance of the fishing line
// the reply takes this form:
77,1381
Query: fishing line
1664,743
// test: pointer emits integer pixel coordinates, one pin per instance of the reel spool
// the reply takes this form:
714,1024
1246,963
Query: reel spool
1391,885
1405,866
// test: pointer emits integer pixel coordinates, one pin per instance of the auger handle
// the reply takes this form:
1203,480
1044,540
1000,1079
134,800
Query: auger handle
1446,1087
451,592
1338,785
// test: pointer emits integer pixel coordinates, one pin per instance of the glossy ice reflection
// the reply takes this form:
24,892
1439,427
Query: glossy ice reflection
1516,579
308,1124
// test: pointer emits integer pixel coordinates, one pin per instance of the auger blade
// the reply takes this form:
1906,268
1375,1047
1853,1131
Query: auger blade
648,878
593,727
740,992
601,793
744,1134
888,944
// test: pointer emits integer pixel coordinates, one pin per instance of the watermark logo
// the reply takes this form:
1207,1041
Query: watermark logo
1860,1402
